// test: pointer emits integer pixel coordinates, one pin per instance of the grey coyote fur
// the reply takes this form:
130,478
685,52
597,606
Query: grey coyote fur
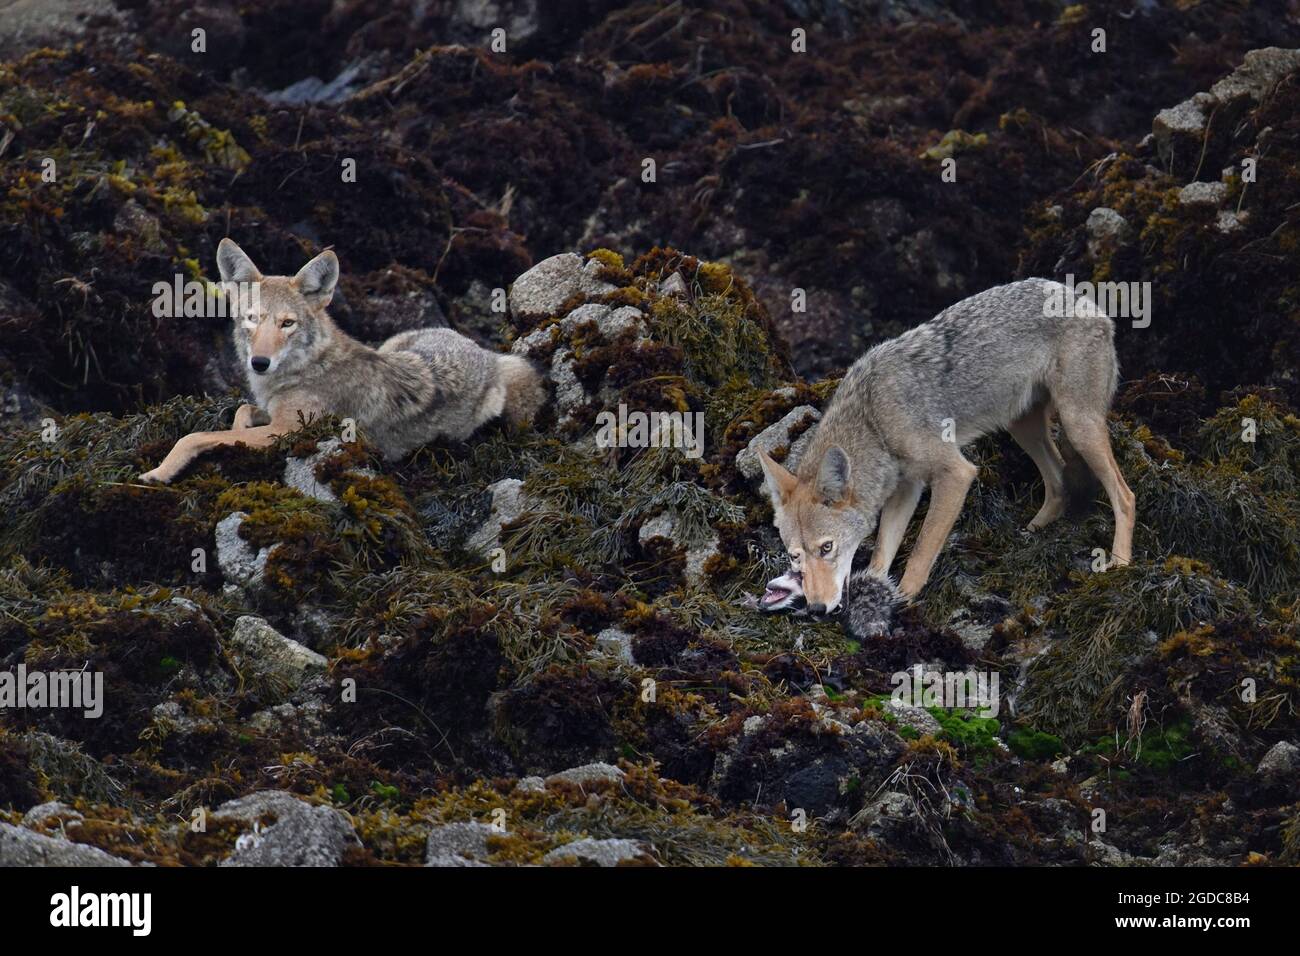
904,410
417,386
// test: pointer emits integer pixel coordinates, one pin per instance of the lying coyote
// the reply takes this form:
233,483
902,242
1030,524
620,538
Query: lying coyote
417,386
902,413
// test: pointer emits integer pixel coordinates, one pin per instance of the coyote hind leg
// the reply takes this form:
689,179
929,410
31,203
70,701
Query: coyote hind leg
1088,433
1032,432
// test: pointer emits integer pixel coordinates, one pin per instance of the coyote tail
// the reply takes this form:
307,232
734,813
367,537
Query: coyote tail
525,389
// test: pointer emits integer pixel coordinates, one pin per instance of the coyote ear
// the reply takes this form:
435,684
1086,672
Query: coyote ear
316,280
234,265
833,475
779,480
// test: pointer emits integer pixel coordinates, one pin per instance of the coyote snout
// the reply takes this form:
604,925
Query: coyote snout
821,525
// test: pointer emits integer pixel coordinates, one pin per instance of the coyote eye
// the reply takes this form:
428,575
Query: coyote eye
826,548
288,323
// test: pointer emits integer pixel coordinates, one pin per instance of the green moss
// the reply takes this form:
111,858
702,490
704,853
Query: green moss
1033,744
967,730
1159,749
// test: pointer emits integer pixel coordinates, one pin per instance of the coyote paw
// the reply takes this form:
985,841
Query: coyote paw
155,477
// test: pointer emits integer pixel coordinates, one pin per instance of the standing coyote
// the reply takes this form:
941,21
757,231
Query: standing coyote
903,411
416,387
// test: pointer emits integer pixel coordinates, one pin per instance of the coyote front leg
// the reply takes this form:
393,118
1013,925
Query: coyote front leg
894,518
947,495
196,443
246,416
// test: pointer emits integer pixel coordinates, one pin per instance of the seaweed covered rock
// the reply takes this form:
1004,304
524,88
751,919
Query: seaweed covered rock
1202,203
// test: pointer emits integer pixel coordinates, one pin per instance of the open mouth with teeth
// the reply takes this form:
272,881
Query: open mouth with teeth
783,593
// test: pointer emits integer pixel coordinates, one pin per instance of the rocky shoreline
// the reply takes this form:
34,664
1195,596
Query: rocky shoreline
532,649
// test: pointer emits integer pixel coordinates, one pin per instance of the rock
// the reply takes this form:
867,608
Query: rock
667,526
52,814
1106,229
611,322
590,282
588,774
973,632
674,285
569,391
312,90
170,717
283,830
235,557
27,25
530,785
546,286
610,852
620,320
1260,70
616,643
777,435
889,817
508,503
1178,128
531,342
22,847
1282,761
1202,194
814,772
268,654
1182,132
458,844
1103,854
918,718
521,19
1229,221
282,717
300,473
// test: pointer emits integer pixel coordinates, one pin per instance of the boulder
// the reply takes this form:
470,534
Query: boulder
591,852
508,503
283,830
458,844
23,847
777,435
239,563
268,654
588,774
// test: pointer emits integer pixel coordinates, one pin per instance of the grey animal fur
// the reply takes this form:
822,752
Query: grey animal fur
995,360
